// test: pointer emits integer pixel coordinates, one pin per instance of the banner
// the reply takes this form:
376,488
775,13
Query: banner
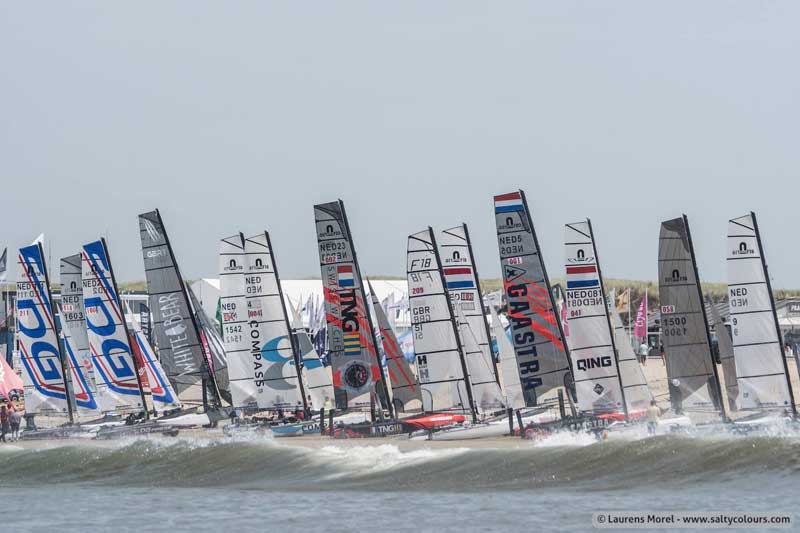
624,302
640,326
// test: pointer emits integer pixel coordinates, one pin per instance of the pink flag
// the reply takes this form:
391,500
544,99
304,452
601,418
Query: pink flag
9,380
564,321
640,326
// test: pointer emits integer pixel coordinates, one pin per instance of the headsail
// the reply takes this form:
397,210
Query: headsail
461,278
760,362
76,340
684,328
542,358
726,357
43,369
176,332
116,372
406,393
441,368
351,339
637,393
268,327
591,341
245,367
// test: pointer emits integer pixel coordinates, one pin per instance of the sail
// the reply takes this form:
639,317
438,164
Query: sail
116,374
406,393
637,393
440,362
76,339
461,279
542,361
163,395
317,377
760,362
214,349
591,341
512,387
268,326
245,367
351,339
684,329
176,333
726,357
43,372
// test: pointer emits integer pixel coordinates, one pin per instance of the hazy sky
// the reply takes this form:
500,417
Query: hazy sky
242,115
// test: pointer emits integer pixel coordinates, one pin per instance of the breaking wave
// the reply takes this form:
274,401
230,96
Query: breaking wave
269,465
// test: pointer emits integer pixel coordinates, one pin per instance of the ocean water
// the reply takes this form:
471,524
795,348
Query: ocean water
183,484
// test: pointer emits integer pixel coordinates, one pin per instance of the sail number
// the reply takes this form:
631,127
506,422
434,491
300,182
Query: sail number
674,326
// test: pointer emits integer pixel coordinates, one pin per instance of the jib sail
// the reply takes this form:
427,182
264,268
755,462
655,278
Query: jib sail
637,393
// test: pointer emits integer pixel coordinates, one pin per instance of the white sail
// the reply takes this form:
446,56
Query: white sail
112,358
268,327
512,386
245,368
76,340
591,344
637,393
42,371
316,376
760,364
440,364
461,279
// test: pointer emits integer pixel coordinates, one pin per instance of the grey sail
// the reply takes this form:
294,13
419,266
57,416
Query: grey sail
684,328
180,350
406,393
542,354
212,345
760,362
441,367
726,357
351,339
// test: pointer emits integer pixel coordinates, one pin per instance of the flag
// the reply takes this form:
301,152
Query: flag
582,277
3,261
506,203
624,302
459,278
345,275
640,326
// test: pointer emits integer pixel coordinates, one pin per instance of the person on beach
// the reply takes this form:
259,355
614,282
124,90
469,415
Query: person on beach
5,426
653,412
14,420
663,355
644,349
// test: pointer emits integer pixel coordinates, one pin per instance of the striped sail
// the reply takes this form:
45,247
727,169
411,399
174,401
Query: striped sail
163,395
542,360
512,387
461,279
406,393
637,393
351,339
684,329
76,339
726,357
317,377
42,370
760,362
268,327
116,373
246,371
440,361
591,342
175,330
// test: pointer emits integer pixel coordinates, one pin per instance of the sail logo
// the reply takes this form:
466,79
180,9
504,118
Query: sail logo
598,389
455,258
676,277
580,257
274,375
151,230
330,232
232,266
743,249
593,362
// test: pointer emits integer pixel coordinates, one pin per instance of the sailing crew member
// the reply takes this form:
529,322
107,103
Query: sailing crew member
5,426
663,355
653,412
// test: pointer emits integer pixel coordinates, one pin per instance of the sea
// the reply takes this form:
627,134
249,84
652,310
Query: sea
262,484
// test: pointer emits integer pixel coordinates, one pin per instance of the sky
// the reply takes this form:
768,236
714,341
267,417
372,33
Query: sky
234,116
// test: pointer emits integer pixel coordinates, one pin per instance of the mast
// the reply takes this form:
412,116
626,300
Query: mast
774,313
217,401
295,354
608,322
549,290
705,318
367,317
125,328
57,330
480,300
467,383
